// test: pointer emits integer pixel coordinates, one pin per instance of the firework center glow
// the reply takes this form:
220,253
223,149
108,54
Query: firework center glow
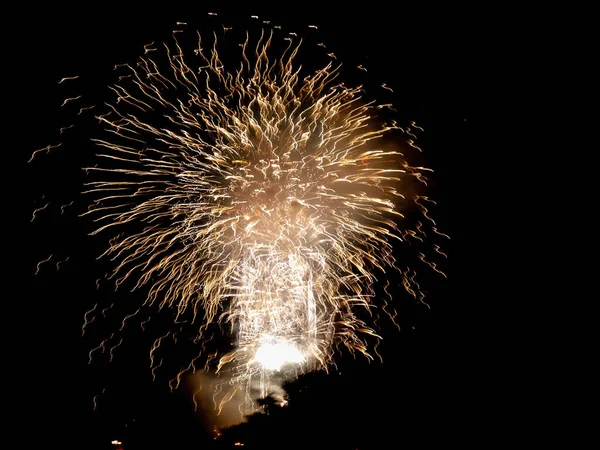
273,355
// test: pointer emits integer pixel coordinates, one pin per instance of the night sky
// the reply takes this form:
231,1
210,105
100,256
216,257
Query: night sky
427,391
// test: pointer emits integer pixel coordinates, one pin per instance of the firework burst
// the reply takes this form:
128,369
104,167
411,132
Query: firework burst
252,194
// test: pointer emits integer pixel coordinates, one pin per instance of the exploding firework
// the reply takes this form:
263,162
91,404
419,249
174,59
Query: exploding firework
254,198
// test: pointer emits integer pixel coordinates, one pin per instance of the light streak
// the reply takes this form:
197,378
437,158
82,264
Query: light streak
86,108
39,264
255,197
45,149
63,129
63,207
58,263
87,321
37,210
70,99
113,348
68,79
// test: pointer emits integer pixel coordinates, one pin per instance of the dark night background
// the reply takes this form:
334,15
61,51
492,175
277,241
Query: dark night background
433,387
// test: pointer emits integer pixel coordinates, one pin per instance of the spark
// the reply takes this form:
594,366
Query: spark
148,48
102,347
385,86
431,264
387,105
313,26
68,79
86,320
143,323
361,67
413,144
112,349
35,211
413,124
39,264
70,99
63,129
252,200
196,393
422,207
63,207
128,317
155,347
86,108
437,249
212,14
58,263
105,310
435,230
154,368
45,149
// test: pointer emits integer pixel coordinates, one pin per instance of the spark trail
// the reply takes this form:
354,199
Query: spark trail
255,196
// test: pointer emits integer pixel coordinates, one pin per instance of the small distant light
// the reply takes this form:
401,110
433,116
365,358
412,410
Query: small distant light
116,442
239,444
